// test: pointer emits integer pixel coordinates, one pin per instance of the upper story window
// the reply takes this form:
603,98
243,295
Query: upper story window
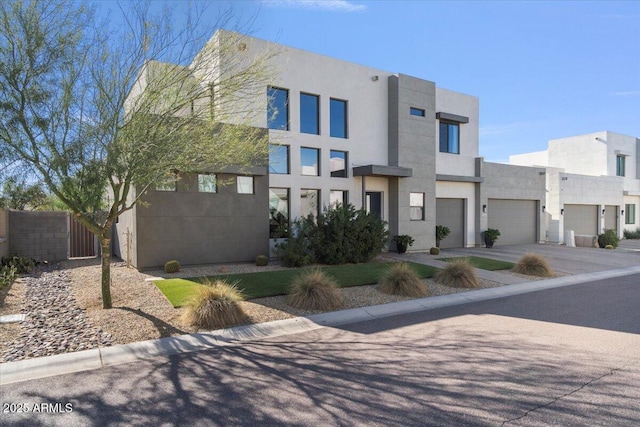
416,111
449,138
309,114
338,164
278,159
310,161
620,165
207,183
244,184
338,118
277,108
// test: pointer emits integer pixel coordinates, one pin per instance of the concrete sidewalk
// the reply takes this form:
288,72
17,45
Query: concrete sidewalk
30,369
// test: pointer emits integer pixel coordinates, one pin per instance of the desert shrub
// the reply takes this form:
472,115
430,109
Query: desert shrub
262,260
295,251
214,305
172,266
628,234
22,265
400,279
609,237
458,274
533,265
8,274
609,247
434,251
314,290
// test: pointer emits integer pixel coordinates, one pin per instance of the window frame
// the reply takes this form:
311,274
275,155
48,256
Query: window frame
274,225
271,117
239,187
304,191
302,165
413,206
288,158
416,112
343,202
215,183
621,163
317,114
346,163
447,146
333,128
630,213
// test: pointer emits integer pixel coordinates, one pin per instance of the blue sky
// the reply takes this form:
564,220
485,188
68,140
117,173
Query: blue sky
542,70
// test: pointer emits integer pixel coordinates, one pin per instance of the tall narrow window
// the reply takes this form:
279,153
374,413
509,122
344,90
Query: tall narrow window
309,114
278,212
620,165
277,108
338,197
207,183
630,214
449,138
338,118
416,206
338,163
278,159
309,202
310,161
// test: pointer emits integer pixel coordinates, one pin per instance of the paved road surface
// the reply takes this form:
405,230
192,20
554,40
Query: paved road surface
567,356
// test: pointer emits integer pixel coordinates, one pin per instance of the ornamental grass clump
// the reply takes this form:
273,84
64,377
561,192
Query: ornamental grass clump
314,290
458,273
215,305
400,279
533,265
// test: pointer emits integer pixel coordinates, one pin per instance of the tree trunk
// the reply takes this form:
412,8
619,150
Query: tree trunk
105,246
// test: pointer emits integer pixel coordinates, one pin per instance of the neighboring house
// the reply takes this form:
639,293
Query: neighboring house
396,145
593,183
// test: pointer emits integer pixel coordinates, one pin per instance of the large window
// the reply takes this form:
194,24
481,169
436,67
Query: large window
277,108
338,197
620,165
338,163
244,184
416,204
338,118
278,159
630,214
278,212
309,114
449,138
310,161
309,202
207,183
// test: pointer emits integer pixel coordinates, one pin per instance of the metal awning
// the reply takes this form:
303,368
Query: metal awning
383,171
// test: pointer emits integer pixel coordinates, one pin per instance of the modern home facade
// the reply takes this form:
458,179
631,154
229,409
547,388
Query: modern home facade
593,183
399,146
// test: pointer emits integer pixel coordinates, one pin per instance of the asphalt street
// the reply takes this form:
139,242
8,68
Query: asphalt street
568,356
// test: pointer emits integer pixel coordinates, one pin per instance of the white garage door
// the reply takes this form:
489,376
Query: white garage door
517,220
582,219
450,213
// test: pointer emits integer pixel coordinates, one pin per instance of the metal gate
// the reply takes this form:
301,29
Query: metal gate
82,242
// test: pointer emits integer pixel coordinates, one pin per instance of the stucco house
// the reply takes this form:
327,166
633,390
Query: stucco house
593,183
397,145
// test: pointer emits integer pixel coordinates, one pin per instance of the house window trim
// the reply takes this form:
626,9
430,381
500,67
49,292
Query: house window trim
346,118
346,163
253,185
345,197
215,183
287,226
416,112
288,159
318,166
621,165
448,123
422,216
318,201
317,97
630,213
287,107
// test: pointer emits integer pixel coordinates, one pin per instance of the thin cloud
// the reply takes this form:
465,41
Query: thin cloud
627,93
326,5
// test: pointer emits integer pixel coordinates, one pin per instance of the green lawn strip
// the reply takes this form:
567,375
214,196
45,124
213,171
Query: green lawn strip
272,283
484,263
177,291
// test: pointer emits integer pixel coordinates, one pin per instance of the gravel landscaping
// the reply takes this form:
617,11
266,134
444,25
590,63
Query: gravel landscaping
64,310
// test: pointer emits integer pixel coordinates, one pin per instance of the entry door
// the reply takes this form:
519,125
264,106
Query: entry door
373,203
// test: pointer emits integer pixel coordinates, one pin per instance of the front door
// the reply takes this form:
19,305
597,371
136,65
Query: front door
373,203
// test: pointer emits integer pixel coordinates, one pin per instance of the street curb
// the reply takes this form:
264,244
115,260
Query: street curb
42,367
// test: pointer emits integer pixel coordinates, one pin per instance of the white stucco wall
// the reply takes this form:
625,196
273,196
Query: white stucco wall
536,158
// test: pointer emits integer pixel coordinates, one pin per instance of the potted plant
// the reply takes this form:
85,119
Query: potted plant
403,241
490,236
441,233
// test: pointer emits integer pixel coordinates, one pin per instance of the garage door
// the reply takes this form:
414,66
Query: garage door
582,219
611,217
450,213
517,220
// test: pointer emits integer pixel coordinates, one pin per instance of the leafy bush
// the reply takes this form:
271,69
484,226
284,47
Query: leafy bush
215,306
533,265
22,265
400,279
442,232
434,251
172,266
609,237
628,234
314,290
458,274
262,260
8,274
296,250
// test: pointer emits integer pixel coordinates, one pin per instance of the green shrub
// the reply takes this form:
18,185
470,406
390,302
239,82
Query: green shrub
458,274
8,274
628,234
400,279
609,237
533,265
295,251
172,266
22,265
214,306
609,247
434,251
442,232
262,260
314,290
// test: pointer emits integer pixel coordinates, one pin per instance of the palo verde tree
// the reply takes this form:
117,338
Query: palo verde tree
100,112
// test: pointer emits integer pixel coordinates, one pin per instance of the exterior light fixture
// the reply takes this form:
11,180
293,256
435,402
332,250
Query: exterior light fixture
622,212
484,208
544,209
602,211
374,78
562,211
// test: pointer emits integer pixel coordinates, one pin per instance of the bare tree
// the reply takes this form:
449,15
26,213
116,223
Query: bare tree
101,113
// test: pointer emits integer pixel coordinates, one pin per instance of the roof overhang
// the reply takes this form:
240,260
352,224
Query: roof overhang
383,171
459,178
